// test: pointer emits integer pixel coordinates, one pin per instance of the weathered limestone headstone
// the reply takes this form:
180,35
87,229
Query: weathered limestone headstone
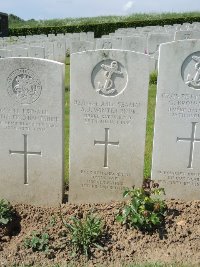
60,51
5,53
185,26
31,131
155,39
36,51
196,26
19,52
52,37
108,119
48,50
182,35
80,46
153,42
90,36
76,36
135,43
83,36
108,43
176,153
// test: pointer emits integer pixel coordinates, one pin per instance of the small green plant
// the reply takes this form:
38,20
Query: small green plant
153,77
5,212
52,221
144,209
84,233
38,242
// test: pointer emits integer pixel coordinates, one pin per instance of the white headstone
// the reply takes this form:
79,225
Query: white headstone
108,120
185,26
76,36
83,36
60,51
155,39
196,26
48,50
31,131
134,43
52,37
90,36
4,53
79,46
176,153
36,51
108,43
19,52
182,35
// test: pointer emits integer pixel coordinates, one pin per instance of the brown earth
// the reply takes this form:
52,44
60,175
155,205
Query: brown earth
178,241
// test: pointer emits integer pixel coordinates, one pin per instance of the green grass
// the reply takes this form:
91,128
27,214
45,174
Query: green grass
16,22
149,130
67,102
67,74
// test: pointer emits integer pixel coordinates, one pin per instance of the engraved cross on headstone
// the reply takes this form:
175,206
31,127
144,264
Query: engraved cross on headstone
192,141
26,153
106,143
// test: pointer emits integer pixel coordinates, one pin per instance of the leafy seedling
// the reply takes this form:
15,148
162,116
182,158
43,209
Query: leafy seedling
5,212
37,242
84,233
144,209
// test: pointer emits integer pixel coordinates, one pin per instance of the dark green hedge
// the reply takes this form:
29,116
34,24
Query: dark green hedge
100,28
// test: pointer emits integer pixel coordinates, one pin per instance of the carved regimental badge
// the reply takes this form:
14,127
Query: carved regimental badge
109,78
191,70
24,86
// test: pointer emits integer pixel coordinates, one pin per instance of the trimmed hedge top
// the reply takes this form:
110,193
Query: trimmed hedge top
100,29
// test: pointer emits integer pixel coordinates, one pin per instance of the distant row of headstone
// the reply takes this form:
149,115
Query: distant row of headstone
108,110
145,40
53,47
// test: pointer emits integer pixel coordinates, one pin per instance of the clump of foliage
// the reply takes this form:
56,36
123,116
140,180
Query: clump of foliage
15,21
84,233
37,242
5,212
153,77
98,25
144,209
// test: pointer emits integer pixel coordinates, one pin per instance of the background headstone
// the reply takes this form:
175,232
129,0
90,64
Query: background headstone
182,35
80,46
4,53
19,51
59,51
155,39
135,43
36,51
108,43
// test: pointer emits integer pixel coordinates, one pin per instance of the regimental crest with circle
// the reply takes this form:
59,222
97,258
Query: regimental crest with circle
109,78
24,86
190,71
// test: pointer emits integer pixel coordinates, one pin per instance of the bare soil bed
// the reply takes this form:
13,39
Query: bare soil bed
178,241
